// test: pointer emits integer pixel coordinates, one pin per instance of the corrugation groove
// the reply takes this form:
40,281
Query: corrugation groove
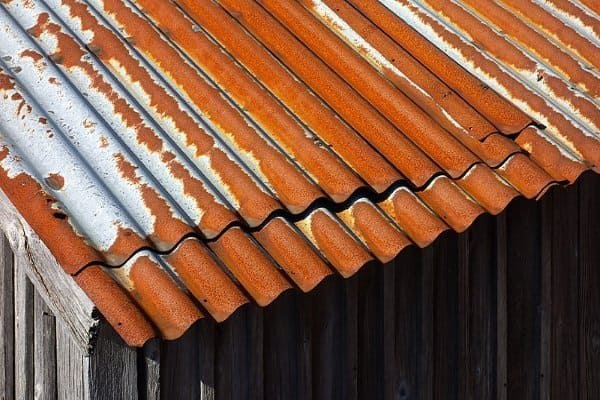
194,156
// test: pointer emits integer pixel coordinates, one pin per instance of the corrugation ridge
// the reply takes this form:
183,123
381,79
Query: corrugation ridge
372,125
497,109
576,137
290,184
209,205
340,208
219,154
326,169
496,16
309,106
401,111
538,77
403,71
551,27
571,13
195,275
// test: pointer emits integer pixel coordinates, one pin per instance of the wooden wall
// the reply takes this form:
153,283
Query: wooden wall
508,310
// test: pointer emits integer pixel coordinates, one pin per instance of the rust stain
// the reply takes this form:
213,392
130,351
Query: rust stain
255,204
437,143
250,266
505,116
293,254
326,169
450,203
116,306
550,156
55,181
205,279
168,229
419,223
338,247
400,151
170,309
332,118
52,226
292,188
376,232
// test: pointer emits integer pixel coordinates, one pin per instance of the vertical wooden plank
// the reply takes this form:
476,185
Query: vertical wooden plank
327,354
72,367
477,310
407,327
44,350
148,365
546,311
370,333
427,327
446,332
334,339
523,299
23,288
349,332
112,367
565,294
390,364
501,308
206,359
7,322
287,375
589,303
180,366
239,355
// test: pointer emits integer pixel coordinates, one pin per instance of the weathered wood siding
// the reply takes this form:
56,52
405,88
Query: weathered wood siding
508,310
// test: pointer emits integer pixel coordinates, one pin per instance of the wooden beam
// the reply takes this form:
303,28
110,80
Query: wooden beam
23,334
7,321
44,345
60,292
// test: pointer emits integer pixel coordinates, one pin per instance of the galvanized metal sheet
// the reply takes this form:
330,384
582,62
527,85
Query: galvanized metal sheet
182,159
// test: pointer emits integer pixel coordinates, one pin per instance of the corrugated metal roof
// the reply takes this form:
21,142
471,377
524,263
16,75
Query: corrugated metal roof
183,158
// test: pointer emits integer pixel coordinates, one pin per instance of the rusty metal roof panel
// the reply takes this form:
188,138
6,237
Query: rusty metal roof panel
181,159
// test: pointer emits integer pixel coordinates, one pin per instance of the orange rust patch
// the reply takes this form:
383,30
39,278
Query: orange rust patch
250,266
342,251
53,227
171,310
55,181
116,306
206,280
293,254
34,55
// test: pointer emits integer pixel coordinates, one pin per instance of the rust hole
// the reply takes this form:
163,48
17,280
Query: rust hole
59,215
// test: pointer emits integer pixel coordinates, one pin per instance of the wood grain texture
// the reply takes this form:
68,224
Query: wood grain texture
180,366
44,341
7,321
477,311
112,367
589,281
286,359
206,358
564,345
239,355
445,264
407,325
24,329
72,367
149,370
59,290
370,333
523,300
501,307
